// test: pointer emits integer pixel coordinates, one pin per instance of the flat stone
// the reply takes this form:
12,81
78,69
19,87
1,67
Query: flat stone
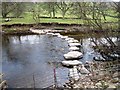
74,44
50,33
64,37
74,48
71,63
57,34
73,55
83,70
67,39
73,41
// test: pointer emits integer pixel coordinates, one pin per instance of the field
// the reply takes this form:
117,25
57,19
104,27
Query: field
27,18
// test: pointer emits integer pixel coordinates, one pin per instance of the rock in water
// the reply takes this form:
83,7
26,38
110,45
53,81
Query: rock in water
73,73
67,39
73,55
74,44
50,33
74,48
71,63
64,37
83,70
73,41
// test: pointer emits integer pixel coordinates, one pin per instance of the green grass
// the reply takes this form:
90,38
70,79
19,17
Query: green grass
28,19
42,20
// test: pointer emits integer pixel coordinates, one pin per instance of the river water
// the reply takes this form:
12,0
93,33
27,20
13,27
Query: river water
29,61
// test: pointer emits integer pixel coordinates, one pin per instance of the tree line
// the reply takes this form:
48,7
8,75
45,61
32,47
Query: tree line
80,9
94,13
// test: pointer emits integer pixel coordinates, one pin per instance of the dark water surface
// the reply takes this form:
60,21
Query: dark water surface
29,60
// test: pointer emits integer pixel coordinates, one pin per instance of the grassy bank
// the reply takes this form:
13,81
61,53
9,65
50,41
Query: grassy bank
27,18
26,21
49,20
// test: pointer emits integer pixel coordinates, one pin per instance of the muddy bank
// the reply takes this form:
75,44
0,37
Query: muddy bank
66,29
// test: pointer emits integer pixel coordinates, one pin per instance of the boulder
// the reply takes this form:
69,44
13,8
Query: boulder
73,55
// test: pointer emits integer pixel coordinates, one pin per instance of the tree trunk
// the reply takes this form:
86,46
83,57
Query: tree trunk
50,14
119,15
53,12
63,14
4,15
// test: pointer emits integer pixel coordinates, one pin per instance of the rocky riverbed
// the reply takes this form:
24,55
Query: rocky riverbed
3,83
102,75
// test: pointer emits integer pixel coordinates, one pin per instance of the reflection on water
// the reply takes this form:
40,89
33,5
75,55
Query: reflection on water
27,55
35,55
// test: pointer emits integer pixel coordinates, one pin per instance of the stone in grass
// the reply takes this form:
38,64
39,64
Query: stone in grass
73,55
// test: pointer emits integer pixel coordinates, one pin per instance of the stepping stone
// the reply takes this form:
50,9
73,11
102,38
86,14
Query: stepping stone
73,73
73,55
74,48
67,39
74,44
57,34
71,63
50,33
73,41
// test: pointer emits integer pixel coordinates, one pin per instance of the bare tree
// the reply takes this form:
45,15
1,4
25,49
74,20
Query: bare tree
117,7
36,12
92,13
20,8
15,8
50,7
64,7
7,7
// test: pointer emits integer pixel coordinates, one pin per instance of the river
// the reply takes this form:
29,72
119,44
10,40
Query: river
29,61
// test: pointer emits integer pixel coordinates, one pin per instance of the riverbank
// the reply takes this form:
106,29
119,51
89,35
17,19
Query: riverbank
66,29
102,75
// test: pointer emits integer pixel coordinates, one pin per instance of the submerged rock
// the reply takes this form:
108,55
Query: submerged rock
83,70
73,73
73,55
